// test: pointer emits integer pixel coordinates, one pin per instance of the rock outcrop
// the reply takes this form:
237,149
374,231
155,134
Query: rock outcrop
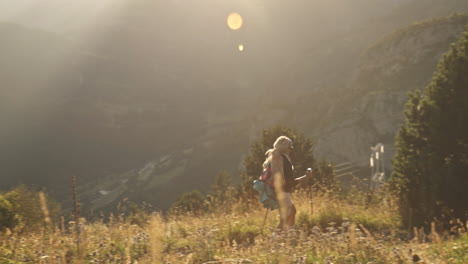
371,109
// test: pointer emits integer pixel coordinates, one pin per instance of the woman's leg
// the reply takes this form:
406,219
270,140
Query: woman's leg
292,216
287,211
280,225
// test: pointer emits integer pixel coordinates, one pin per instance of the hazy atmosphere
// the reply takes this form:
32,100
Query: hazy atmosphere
159,104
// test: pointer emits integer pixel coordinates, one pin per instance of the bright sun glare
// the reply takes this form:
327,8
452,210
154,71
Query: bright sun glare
234,21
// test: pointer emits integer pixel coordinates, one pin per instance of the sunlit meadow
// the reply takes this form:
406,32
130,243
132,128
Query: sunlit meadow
328,230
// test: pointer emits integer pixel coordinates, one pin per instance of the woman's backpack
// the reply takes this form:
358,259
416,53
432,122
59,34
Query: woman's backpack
264,186
267,195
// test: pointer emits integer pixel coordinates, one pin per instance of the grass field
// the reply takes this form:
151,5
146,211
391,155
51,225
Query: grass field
334,230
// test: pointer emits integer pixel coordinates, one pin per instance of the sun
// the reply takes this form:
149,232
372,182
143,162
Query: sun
234,21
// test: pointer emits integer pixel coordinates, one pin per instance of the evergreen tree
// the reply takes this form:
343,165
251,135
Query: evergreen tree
222,182
8,218
301,155
190,202
222,187
431,164
20,206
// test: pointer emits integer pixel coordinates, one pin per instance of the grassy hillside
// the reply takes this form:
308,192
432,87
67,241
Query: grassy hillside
336,230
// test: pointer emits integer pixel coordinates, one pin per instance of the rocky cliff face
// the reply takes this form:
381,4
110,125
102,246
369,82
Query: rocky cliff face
372,105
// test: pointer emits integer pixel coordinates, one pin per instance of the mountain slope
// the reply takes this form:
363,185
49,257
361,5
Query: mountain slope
369,113
148,99
372,109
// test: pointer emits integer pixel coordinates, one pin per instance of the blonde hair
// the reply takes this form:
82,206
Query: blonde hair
281,145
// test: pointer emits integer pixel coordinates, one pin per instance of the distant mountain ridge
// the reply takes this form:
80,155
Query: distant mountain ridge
370,114
136,111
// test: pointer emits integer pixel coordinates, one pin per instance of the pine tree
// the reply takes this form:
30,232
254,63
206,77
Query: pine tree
221,186
190,202
8,218
431,164
301,155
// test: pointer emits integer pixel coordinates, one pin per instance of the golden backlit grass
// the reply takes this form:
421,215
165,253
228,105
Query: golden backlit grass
332,231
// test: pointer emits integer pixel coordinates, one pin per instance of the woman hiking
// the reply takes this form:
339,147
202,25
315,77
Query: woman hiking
282,171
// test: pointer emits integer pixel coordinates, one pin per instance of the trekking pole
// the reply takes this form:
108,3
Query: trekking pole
310,200
264,219
308,172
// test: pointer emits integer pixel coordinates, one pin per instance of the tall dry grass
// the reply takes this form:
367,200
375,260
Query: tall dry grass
335,231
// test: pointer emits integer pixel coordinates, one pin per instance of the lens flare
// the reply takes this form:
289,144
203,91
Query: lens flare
234,21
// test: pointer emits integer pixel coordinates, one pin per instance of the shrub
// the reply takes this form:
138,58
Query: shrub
8,218
241,234
190,202
25,206
301,155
